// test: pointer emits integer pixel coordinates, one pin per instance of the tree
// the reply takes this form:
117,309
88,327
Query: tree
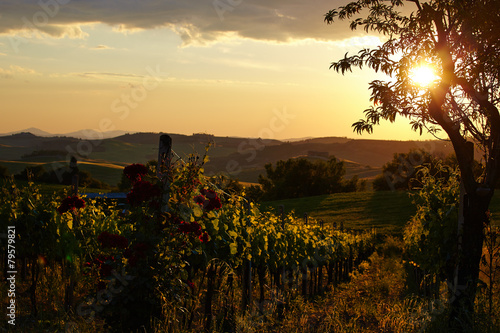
85,179
398,173
299,177
402,172
461,39
4,172
32,172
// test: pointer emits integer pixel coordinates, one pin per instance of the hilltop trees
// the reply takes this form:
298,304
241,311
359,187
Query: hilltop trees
461,40
3,172
59,176
300,177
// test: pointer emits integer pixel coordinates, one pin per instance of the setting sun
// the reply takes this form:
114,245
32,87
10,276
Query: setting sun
423,75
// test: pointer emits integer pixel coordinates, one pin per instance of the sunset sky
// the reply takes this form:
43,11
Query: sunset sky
252,68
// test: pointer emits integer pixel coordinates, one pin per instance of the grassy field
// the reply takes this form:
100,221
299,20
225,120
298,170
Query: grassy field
385,211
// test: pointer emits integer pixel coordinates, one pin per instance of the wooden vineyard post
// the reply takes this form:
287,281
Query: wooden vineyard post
163,167
303,270
306,218
350,262
73,166
331,266
320,280
281,210
340,265
281,270
71,267
311,282
247,272
261,273
211,270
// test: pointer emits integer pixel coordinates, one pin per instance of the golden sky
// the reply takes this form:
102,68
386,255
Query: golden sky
227,67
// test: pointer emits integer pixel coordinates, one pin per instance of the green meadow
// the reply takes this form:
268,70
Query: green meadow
386,211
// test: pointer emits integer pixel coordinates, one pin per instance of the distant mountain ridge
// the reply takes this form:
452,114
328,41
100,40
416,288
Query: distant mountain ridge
85,134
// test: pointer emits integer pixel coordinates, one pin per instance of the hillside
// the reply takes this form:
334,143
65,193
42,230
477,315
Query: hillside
242,158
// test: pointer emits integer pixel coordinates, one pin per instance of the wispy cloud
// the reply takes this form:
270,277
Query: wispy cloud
359,42
195,20
105,75
102,47
14,71
216,82
72,31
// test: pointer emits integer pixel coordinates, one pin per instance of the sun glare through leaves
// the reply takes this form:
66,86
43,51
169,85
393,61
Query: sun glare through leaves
423,76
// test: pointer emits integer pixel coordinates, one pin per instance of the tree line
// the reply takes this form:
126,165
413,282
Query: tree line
62,175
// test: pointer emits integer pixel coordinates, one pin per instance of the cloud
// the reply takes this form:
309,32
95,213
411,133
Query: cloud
196,21
102,47
14,70
5,74
359,42
105,75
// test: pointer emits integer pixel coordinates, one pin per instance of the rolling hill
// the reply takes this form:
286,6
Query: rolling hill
242,158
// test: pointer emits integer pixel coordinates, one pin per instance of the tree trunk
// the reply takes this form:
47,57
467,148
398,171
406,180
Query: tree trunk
462,302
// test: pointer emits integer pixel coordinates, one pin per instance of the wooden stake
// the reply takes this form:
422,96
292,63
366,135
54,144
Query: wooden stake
163,167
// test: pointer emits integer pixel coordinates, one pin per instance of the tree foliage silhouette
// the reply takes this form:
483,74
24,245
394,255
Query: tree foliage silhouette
299,177
461,39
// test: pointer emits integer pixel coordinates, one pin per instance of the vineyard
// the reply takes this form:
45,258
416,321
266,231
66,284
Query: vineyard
181,255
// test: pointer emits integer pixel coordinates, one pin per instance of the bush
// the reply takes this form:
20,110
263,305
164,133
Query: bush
431,234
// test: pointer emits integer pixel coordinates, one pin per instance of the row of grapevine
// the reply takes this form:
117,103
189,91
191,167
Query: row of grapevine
161,259
291,257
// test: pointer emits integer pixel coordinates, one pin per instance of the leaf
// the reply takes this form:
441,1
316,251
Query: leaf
215,224
197,211
233,248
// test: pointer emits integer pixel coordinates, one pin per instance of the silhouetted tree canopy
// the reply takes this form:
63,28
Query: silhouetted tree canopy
300,177
33,173
461,39
3,171
60,175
